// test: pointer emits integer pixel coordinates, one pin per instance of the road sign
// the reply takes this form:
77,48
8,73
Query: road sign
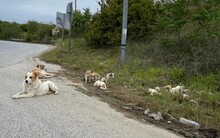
62,21
56,30
69,10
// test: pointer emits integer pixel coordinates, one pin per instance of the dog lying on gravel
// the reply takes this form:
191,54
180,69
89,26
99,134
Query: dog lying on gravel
42,73
32,86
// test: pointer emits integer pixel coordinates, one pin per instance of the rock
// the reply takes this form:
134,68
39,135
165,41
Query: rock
126,107
156,117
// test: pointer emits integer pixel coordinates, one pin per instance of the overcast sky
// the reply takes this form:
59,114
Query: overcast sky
21,11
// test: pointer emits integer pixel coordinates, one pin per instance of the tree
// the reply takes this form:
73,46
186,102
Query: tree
80,20
10,30
38,32
105,27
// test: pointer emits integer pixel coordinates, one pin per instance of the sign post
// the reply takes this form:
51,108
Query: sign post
124,31
69,11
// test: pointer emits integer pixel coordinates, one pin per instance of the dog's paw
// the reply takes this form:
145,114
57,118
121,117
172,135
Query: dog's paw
56,92
14,97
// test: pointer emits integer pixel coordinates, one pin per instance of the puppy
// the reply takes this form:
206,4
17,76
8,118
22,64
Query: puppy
167,87
41,66
88,75
95,76
107,77
157,89
152,91
100,84
42,73
32,86
177,89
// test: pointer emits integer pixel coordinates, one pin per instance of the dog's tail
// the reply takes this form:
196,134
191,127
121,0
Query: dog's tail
52,87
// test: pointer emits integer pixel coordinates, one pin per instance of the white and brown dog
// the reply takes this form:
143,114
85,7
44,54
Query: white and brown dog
100,84
91,76
42,73
96,76
32,86
177,89
154,91
107,77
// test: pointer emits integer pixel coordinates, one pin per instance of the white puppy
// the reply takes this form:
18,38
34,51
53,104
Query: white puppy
152,91
32,86
157,89
100,84
107,77
177,89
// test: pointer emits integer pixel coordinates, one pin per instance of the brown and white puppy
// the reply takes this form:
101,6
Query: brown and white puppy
42,73
96,76
167,87
100,84
32,86
91,76
41,66
107,77
88,76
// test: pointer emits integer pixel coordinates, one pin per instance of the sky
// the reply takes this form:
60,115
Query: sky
44,11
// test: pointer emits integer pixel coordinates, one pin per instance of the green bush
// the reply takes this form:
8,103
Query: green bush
38,32
104,29
10,30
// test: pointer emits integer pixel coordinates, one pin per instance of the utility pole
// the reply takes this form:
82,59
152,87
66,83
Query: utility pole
75,5
124,31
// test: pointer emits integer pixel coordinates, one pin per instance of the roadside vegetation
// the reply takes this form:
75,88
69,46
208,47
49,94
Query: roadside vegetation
173,43
169,42
32,31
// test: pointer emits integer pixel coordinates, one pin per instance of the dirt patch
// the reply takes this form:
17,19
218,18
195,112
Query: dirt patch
132,105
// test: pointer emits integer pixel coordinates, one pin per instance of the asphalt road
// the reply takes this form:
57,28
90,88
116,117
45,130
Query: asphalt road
70,114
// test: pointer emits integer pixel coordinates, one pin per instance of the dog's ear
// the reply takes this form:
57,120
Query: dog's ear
36,74
42,66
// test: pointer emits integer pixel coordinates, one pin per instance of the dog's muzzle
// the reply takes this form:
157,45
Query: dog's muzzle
26,81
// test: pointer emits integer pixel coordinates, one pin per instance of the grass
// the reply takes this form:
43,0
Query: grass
132,80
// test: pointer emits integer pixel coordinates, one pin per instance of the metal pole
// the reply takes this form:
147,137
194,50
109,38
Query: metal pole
70,38
75,5
124,31
70,14
62,38
63,33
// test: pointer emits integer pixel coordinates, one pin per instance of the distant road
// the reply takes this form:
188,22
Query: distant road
70,114
15,52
